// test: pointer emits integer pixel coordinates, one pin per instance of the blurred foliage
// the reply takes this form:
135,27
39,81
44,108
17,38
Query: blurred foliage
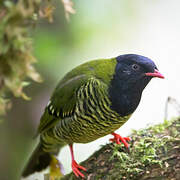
16,57
17,17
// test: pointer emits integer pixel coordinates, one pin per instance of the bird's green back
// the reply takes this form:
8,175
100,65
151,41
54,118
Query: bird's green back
63,99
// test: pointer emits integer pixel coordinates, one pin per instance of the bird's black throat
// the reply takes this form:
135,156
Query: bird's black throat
124,101
126,95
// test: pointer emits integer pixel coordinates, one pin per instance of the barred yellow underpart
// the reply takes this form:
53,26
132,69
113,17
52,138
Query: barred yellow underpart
91,119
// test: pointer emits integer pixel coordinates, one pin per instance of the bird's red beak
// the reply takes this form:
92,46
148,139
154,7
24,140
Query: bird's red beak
156,73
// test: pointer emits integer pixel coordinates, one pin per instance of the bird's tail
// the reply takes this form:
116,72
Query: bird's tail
38,161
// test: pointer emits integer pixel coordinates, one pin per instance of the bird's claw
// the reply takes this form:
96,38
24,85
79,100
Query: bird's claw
76,167
117,138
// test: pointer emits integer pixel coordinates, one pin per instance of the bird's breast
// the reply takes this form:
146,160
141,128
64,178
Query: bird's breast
92,119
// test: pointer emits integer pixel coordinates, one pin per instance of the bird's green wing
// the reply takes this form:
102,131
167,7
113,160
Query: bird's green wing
63,100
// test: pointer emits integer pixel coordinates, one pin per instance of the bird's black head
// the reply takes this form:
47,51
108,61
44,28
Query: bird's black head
132,74
135,71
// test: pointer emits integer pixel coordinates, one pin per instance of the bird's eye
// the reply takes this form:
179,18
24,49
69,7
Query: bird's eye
135,67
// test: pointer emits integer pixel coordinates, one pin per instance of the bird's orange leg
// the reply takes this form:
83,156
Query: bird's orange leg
117,138
75,165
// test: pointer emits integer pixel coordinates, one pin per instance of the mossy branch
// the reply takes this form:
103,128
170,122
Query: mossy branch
154,154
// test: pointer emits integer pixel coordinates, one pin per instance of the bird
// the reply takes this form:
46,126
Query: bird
91,101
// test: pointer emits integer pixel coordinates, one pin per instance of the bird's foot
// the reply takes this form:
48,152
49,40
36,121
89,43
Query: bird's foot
76,167
117,138
56,168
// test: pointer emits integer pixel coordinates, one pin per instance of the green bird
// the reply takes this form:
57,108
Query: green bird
91,101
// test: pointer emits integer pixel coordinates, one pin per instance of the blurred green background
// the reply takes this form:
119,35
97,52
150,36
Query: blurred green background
99,29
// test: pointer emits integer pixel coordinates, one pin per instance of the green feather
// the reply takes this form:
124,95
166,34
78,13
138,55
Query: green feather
63,100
